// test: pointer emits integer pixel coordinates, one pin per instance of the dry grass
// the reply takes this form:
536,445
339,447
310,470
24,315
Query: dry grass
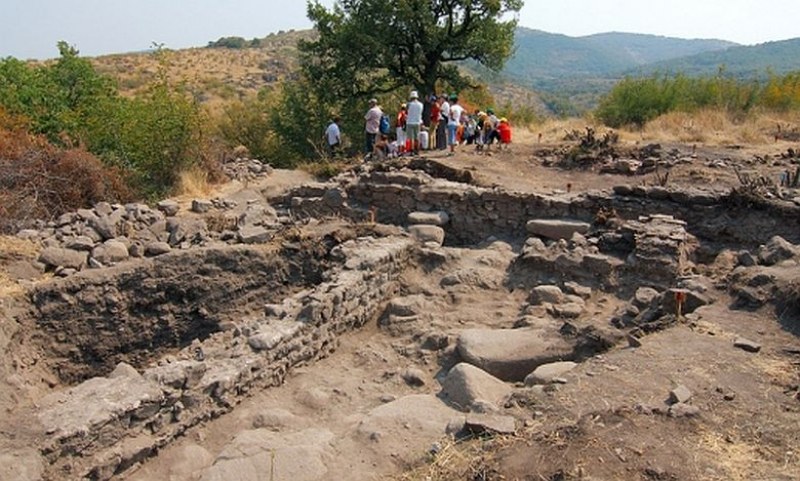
742,461
193,182
13,248
469,459
710,127
714,127
554,130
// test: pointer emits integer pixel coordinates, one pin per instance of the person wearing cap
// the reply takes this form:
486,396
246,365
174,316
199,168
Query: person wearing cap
400,130
372,124
414,121
504,132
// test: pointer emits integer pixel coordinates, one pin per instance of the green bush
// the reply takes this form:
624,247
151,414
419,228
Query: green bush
247,123
635,101
153,135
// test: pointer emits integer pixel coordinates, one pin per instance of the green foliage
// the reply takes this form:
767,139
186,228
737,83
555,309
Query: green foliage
634,101
368,47
153,135
299,119
247,123
234,43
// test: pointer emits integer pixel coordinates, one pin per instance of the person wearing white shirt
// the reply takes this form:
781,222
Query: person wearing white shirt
414,120
334,136
372,124
453,123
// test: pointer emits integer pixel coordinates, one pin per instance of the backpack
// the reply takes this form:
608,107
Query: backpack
385,126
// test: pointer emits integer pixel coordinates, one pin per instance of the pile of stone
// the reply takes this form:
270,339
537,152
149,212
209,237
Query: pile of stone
559,248
768,275
245,170
112,233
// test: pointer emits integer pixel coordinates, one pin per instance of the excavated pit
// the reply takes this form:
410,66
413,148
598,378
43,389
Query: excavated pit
139,313
157,346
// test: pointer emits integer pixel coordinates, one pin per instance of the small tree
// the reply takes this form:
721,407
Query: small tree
367,47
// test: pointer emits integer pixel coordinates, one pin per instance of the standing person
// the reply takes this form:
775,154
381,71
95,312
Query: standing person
434,124
334,137
372,125
427,110
414,121
453,123
402,118
444,117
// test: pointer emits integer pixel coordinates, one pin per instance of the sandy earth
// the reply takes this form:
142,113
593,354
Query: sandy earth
608,420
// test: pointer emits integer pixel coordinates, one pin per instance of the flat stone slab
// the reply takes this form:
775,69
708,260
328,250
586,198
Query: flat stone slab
490,423
747,345
557,229
406,428
512,354
258,454
99,403
429,218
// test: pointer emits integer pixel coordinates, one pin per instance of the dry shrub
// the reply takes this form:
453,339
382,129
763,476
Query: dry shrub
193,182
40,181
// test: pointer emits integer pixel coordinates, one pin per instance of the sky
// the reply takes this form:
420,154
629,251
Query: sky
32,28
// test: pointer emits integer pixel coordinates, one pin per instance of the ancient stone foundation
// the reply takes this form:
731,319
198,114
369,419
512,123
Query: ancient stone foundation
106,424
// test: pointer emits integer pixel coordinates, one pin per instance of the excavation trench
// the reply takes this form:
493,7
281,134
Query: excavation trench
204,328
139,313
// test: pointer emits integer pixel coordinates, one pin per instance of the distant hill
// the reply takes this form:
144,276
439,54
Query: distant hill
542,57
644,49
741,61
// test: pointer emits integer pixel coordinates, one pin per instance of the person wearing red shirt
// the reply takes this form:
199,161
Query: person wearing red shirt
504,129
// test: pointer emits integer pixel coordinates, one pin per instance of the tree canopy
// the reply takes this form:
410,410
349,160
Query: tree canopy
368,47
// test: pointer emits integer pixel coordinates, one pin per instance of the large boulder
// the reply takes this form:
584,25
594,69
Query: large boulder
57,257
546,293
511,354
467,387
110,252
557,229
427,233
777,250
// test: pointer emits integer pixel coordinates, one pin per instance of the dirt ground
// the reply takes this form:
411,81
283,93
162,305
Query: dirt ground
608,419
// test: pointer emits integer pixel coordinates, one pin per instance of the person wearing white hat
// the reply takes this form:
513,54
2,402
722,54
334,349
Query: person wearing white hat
414,120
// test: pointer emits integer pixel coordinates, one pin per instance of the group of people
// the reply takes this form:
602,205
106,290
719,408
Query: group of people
439,122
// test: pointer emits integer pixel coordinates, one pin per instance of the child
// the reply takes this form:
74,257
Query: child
424,138
504,132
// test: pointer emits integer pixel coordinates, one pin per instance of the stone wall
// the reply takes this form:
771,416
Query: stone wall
139,311
106,424
477,213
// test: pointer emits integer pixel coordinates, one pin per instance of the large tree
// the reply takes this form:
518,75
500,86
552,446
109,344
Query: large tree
368,47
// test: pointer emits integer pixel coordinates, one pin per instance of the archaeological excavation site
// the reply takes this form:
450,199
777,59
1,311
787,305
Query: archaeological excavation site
476,318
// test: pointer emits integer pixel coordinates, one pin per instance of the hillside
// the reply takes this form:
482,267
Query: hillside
644,49
215,75
741,61
542,57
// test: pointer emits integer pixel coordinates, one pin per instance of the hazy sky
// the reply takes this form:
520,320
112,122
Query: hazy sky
32,28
